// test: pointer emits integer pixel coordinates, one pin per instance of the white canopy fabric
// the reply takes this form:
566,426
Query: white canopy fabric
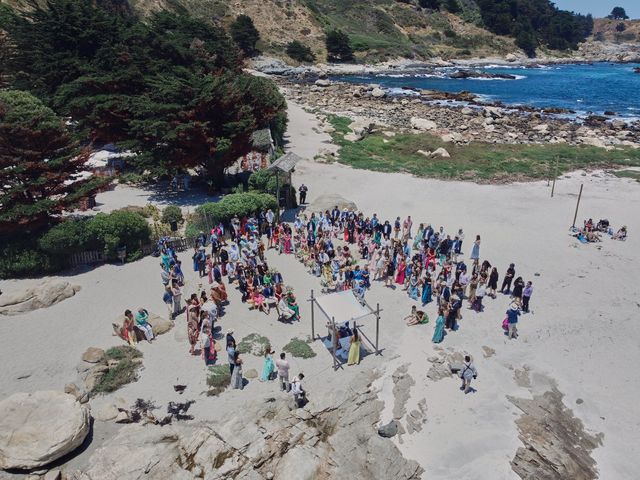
342,306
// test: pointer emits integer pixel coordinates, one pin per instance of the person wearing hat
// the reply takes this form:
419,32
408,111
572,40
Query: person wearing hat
512,317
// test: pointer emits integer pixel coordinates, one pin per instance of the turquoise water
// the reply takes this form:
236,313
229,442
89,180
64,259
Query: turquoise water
592,88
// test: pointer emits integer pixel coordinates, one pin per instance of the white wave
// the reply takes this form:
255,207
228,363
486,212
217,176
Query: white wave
517,77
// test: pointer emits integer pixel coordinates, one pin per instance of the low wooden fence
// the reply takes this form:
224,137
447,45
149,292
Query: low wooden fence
87,258
91,257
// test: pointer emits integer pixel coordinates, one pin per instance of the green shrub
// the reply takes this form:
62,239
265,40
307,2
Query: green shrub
234,204
103,232
122,352
171,214
300,52
299,348
218,379
68,237
22,260
119,229
126,371
254,344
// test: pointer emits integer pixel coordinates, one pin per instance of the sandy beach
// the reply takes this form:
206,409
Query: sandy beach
581,335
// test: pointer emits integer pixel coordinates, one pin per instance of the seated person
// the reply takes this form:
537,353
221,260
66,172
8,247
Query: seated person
593,237
259,302
141,318
284,309
418,318
621,234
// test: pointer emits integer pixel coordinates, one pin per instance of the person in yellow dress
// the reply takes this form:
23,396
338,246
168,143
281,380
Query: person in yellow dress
354,349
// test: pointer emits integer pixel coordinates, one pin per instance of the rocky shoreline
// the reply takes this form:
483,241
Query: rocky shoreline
459,118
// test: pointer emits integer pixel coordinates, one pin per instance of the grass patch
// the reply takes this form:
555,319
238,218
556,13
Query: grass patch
476,161
218,379
634,174
254,344
299,349
124,372
123,352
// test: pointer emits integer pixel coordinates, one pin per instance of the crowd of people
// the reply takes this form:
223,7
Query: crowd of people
347,251
235,256
592,232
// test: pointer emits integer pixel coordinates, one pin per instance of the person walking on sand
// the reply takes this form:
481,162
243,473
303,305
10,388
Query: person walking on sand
512,317
508,278
526,296
467,373
282,366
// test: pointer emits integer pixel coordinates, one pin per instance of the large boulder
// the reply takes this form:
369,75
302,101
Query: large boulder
41,296
327,202
158,324
422,124
93,355
38,428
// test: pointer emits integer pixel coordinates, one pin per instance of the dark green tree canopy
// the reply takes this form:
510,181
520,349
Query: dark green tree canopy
39,163
170,88
300,52
245,34
430,4
338,46
535,22
618,13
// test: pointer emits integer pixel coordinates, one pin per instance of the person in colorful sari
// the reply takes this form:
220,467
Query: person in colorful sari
293,305
426,291
193,318
413,287
267,365
354,349
438,332
400,272
128,332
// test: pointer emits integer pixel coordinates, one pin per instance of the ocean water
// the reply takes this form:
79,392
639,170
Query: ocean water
584,89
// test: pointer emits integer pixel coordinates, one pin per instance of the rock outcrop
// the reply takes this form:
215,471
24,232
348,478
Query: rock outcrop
38,428
41,296
268,440
555,442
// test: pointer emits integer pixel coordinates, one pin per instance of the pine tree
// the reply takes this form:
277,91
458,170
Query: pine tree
338,46
39,163
245,34
618,13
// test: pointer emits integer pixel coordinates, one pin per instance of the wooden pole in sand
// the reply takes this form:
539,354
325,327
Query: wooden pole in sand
313,331
377,327
555,174
277,197
334,341
577,205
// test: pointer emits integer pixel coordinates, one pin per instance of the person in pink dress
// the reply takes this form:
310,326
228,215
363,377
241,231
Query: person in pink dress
400,272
